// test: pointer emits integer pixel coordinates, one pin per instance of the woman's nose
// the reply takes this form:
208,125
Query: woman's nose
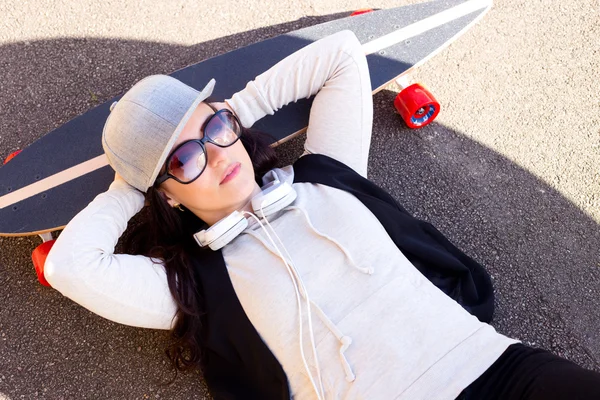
216,154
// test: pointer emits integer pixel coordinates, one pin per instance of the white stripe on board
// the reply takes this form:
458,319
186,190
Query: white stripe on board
425,25
55,180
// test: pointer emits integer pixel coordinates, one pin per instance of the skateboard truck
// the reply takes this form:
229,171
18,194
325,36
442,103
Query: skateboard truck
415,104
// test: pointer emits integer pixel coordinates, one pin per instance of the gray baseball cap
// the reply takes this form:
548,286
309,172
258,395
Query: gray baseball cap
145,123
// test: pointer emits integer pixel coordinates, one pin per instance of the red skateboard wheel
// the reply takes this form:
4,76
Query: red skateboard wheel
39,259
361,11
417,106
11,156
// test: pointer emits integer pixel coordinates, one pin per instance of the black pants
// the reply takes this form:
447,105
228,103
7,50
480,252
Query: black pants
525,373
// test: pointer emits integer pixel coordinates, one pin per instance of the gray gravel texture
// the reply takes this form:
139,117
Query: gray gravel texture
509,171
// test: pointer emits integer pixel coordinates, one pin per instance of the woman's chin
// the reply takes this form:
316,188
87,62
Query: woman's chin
241,189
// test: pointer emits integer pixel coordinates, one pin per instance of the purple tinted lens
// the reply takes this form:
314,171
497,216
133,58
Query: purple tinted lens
223,129
187,162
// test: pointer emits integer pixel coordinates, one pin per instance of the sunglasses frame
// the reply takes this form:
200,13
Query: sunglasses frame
202,142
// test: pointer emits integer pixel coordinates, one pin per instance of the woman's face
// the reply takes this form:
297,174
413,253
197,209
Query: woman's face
226,184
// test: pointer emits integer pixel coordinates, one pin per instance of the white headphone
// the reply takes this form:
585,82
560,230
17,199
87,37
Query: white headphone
274,196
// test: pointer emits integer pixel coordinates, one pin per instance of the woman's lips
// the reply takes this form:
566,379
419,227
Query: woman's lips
231,172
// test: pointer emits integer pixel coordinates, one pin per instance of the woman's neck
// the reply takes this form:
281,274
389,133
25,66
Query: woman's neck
214,217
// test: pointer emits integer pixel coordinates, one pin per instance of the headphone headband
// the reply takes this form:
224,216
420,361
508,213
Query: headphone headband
274,196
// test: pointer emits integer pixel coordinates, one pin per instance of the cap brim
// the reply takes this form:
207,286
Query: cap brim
204,94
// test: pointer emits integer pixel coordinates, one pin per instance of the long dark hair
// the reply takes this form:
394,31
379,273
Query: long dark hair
162,233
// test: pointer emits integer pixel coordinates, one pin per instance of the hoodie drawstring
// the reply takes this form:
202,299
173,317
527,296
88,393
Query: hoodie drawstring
367,270
294,276
300,290
346,341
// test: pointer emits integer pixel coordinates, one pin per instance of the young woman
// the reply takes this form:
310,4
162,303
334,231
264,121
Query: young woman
306,281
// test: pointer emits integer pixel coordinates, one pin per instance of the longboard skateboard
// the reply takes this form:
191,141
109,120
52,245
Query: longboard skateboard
49,182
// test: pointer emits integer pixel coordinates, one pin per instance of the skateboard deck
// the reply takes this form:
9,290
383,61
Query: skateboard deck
50,181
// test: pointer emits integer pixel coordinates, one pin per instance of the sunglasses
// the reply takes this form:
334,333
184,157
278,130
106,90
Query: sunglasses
187,162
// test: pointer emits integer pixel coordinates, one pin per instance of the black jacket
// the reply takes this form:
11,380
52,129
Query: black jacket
239,365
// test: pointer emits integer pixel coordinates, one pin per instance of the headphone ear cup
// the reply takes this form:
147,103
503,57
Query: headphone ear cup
273,197
222,232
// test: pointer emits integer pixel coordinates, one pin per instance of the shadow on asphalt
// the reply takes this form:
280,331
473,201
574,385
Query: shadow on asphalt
540,248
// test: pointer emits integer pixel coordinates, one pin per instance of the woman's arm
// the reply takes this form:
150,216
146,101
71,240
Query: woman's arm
335,69
128,289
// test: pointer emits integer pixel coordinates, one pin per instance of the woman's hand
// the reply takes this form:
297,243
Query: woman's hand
118,177
221,105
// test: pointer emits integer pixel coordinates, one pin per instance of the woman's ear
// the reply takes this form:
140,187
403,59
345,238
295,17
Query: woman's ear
165,195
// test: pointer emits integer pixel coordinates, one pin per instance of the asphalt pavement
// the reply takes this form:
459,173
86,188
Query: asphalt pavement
510,170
